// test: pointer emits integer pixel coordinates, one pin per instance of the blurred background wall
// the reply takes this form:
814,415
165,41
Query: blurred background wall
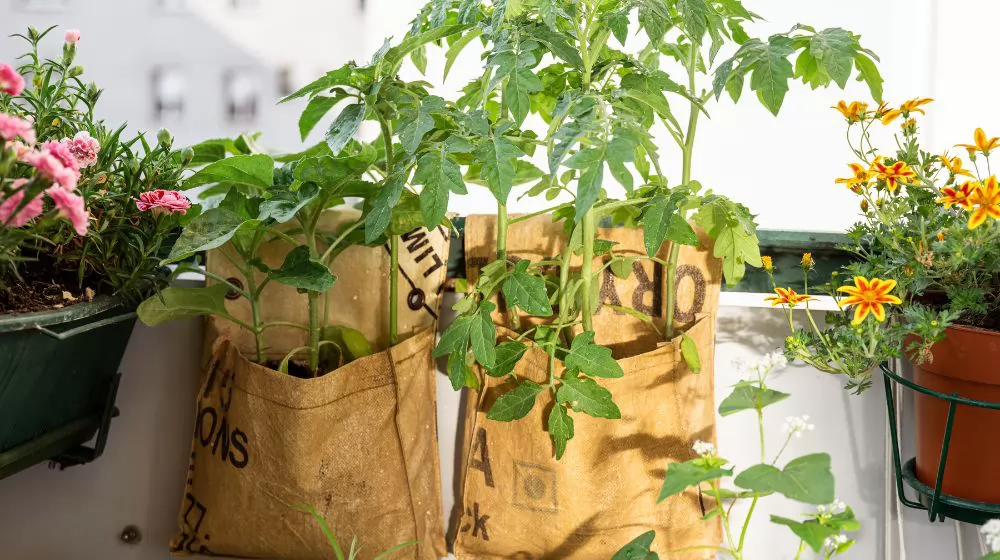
212,68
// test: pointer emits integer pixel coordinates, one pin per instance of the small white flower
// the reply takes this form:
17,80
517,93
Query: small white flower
704,448
991,532
740,365
795,425
821,509
835,507
776,360
835,541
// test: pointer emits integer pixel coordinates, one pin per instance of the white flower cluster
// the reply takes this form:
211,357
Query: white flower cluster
833,542
991,532
704,448
795,425
772,361
836,507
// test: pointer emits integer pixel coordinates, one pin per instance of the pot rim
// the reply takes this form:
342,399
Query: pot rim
14,322
976,330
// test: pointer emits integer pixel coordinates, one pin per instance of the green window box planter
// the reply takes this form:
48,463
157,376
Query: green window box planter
58,380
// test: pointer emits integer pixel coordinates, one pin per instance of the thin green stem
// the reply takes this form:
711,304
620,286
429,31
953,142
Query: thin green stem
502,226
587,270
340,239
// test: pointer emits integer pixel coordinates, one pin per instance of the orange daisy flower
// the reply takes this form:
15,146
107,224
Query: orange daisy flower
861,176
913,105
892,174
958,196
953,165
986,199
869,297
788,296
890,115
982,144
853,112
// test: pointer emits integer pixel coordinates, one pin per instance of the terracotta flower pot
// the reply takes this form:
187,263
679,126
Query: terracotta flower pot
967,362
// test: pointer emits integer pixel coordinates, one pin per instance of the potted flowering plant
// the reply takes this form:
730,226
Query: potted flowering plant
925,286
84,214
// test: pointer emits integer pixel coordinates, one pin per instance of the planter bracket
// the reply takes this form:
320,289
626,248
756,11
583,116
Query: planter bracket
82,454
939,506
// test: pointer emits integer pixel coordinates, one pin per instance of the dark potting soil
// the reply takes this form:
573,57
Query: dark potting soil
296,368
43,287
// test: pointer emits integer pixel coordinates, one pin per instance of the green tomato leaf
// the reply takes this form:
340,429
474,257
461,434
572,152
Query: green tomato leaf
592,359
380,207
285,204
694,18
521,83
681,476
527,291
302,272
746,395
345,126
638,549
584,395
560,427
458,370
589,189
439,175
689,351
868,72
483,335
835,49
515,404
211,229
416,123
456,49
497,155
507,356
317,108
807,479
172,304
254,170
456,337
811,532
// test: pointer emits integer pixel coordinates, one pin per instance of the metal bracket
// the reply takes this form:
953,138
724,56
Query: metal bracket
82,454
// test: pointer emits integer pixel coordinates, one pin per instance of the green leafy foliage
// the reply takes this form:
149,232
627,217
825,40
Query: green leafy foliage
681,476
638,549
300,270
592,359
749,396
560,427
527,291
173,304
515,404
584,395
807,479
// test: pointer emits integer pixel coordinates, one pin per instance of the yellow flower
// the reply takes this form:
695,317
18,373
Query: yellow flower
982,144
890,115
892,174
860,178
953,165
958,195
909,124
913,105
768,263
853,112
788,296
986,200
807,260
940,236
869,297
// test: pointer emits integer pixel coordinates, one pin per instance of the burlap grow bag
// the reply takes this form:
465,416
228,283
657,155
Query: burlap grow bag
358,444
517,501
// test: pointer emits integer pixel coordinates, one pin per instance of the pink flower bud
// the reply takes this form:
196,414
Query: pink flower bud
163,201
72,36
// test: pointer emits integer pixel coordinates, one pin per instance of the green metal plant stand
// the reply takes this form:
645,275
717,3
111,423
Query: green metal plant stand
939,506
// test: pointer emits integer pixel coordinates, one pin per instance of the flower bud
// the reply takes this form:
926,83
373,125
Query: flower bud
164,138
72,36
807,261
187,155
133,165
75,71
864,205
33,33
768,263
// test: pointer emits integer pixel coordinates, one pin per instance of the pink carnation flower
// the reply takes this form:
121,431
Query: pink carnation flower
63,153
11,127
52,168
83,147
9,206
71,207
160,201
11,82
72,36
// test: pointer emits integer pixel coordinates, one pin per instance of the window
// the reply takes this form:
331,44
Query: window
241,91
168,93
